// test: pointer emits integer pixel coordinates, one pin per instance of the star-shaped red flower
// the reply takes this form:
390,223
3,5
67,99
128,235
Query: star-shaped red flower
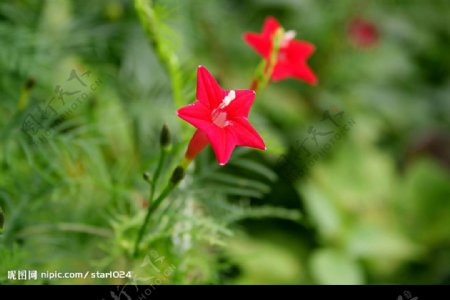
292,54
363,32
221,119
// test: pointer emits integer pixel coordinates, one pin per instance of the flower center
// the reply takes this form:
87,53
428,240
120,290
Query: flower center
288,36
219,118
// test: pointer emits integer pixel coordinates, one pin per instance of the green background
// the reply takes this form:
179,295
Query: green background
371,206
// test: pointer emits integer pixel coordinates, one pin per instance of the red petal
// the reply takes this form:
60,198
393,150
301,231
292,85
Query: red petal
240,106
300,49
306,74
295,63
261,44
208,90
222,142
245,134
281,71
197,113
299,71
270,26
198,142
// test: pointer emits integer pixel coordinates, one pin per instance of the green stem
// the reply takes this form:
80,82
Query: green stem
168,58
265,69
155,178
169,187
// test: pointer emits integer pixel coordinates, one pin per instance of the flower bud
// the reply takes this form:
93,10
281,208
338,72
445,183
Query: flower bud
177,175
165,137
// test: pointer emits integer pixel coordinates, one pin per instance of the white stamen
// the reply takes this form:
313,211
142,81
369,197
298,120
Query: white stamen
228,98
290,34
287,37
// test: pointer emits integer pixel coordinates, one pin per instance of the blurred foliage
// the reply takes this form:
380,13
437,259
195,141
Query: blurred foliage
373,208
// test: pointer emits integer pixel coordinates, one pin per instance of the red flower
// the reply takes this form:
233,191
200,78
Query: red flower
362,32
292,54
221,119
